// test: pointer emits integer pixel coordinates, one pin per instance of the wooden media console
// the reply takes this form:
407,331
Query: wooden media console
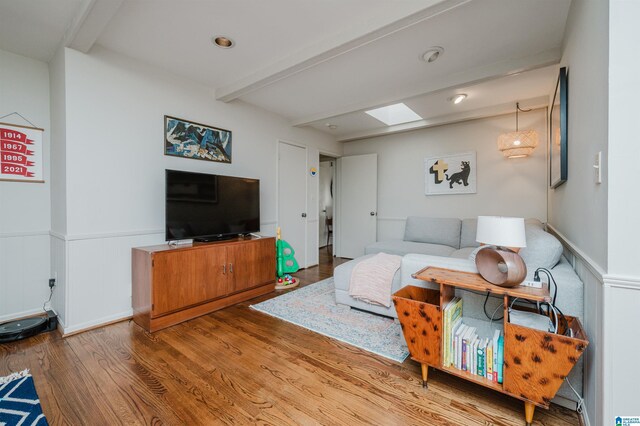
172,284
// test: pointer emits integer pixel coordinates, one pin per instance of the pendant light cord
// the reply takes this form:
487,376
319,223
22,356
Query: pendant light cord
520,109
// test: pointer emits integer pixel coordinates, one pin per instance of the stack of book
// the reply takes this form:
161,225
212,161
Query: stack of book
465,350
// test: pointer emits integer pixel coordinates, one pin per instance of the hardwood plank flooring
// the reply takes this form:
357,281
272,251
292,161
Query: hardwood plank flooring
239,366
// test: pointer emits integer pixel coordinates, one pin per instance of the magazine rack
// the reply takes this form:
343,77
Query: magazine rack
535,362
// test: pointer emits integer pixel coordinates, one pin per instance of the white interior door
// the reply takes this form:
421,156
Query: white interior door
358,203
292,198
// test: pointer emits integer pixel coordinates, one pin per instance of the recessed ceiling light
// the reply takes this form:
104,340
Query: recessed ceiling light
394,114
223,42
432,54
331,126
456,99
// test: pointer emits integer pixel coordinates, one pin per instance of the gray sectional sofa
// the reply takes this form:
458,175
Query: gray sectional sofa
450,243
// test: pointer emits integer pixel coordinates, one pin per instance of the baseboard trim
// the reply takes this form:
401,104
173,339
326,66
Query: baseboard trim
91,325
21,315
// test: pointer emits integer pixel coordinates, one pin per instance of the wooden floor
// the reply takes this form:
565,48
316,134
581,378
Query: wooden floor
239,366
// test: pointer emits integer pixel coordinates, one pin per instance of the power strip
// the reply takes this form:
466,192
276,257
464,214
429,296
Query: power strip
534,284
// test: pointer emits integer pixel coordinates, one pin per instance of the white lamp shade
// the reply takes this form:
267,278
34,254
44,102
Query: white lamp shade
501,231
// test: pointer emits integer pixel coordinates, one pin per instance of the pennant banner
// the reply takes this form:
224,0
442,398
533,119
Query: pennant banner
20,153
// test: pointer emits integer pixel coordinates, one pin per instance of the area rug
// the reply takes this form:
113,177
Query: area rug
314,308
19,403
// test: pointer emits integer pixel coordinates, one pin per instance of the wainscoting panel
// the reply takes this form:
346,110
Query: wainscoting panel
620,347
591,274
99,279
24,274
59,272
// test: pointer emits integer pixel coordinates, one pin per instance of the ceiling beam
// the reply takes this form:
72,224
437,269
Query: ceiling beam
463,79
491,111
358,35
91,19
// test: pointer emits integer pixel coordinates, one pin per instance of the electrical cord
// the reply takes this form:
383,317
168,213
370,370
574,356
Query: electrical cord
44,305
484,308
536,277
580,406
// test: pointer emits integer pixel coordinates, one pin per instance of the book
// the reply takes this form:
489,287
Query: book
452,312
470,340
482,346
500,362
452,336
458,341
489,360
496,336
466,342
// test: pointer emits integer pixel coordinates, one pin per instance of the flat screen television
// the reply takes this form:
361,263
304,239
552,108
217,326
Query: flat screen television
207,207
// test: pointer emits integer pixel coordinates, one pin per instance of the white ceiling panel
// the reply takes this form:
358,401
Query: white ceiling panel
475,36
176,35
35,28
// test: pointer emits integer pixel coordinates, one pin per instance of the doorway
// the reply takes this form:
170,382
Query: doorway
326,204
292,198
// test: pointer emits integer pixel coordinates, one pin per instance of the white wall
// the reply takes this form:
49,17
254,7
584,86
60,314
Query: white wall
578,208
59,183
579,203
505,187
622,283
115,169
24,207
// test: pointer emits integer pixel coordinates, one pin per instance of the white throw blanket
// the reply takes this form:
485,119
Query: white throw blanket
371,279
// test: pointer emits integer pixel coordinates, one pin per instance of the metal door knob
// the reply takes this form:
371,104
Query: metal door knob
304,215
372,213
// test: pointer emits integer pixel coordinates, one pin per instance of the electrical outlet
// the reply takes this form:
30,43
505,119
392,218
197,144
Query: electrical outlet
52,282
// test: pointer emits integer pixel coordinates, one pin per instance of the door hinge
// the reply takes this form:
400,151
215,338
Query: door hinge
153,263
153,307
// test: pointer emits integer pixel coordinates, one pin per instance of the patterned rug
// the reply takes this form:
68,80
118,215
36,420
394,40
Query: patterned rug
19,403
314,308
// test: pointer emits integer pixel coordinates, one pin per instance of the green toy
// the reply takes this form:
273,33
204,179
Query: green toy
286,262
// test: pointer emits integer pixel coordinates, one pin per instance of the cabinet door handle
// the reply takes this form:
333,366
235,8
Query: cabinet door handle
224,269
231,268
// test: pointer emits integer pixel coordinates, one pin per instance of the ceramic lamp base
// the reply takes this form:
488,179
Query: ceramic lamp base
501,267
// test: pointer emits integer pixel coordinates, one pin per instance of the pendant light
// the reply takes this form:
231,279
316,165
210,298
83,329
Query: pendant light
520,143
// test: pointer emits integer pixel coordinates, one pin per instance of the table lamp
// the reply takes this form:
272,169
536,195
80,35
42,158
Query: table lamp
501,265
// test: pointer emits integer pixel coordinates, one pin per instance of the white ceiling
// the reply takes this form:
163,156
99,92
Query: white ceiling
319,61
34,28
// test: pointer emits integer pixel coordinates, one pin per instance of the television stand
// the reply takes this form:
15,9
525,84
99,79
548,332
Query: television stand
175,284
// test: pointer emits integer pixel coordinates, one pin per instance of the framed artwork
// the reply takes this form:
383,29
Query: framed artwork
450,174
21,153
187,139
558,132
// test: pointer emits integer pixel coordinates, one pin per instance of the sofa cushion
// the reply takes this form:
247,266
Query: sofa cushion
543,250
463,253
468,233
433,230
401,248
